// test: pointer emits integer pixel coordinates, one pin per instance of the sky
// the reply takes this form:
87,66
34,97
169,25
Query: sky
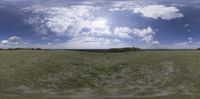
100,24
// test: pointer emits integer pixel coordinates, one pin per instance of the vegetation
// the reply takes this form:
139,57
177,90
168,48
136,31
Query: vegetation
74,73
21,49
123,49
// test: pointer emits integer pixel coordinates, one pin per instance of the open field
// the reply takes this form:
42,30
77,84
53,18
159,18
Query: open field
139,74
49,97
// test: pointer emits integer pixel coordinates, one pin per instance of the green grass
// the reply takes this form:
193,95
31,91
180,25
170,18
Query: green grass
52,97
127,74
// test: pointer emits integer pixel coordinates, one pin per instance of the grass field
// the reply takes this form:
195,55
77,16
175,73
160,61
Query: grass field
139,74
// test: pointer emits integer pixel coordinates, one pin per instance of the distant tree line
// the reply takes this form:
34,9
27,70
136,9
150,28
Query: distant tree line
20,49
126,49
123,49
104,50
88,50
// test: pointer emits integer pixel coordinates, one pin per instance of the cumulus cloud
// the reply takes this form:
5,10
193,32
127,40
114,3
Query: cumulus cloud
55,19
188,43
154,11
4,42
83,28
146,35
70,21
122,32
13,40
159,11
127,5
97,27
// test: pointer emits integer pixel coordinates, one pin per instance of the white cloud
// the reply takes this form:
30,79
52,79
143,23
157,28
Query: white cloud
178,5
13,41
154,11
97,27
122,32
159,11
54,19
4,42
187,44
190,40
93,43
144,32
127,5
70,21
50,44
186,25
146,35
83,27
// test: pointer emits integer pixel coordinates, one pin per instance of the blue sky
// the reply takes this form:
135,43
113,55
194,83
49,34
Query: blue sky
90,24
